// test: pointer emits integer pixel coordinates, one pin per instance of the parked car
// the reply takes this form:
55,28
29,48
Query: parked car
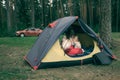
29,32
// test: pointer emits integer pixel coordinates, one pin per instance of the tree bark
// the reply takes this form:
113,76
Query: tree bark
33,13
58,9
9,24
70,7
0,19
43,13
117,16
16,20
0,14
105,22
83,10
51,6
90,10
61,10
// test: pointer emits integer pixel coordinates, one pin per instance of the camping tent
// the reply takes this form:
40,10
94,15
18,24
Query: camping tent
47,49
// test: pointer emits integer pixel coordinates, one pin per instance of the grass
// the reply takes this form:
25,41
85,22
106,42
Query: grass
13,67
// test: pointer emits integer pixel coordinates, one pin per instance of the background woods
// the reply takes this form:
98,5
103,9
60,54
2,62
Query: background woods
103,16
20,14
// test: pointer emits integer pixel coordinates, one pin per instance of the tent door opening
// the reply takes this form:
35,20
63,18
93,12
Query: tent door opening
76,42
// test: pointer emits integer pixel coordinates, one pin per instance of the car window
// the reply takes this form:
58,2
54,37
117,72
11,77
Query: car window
26,29
32,29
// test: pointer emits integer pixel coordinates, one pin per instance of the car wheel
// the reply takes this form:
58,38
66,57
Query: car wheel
22,35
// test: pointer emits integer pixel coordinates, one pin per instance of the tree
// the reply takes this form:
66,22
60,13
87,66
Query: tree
76,7
9,23
61,8
43,12
117,15
70,6
105,22
16,20
83,10
0,14
32,13
23,14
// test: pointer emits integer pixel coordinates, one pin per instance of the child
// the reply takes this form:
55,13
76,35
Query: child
66,43
72,46
77,43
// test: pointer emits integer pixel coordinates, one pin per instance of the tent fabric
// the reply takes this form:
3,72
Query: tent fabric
101,58
56,54
90,32
50,35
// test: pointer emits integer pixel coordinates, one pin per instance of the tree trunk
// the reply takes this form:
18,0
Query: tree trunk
70,7
117,16
43,15
61,10
9,24
33,13
105,22
83,10
16,20
0,19
0,14
58,9
51,6
90,10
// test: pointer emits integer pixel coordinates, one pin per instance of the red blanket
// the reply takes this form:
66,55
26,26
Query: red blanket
73,51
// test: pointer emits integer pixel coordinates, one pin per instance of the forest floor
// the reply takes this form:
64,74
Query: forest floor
13,67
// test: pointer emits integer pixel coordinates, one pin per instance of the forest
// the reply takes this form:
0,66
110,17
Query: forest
20,14
101,16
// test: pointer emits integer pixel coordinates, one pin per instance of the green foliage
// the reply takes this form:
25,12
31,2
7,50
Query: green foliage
24,13
21,13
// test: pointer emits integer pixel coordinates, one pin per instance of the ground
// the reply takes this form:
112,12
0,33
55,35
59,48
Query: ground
13,66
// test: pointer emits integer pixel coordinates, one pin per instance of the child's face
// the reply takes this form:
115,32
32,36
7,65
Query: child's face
64,38
75,38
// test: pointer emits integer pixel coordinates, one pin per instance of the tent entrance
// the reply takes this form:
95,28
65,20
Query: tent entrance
83,46
75,42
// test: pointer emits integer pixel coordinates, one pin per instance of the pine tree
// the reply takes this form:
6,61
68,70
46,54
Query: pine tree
105,22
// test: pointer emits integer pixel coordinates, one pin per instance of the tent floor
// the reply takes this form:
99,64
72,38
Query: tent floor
45,65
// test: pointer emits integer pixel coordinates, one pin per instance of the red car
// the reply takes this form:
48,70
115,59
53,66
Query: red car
29,32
